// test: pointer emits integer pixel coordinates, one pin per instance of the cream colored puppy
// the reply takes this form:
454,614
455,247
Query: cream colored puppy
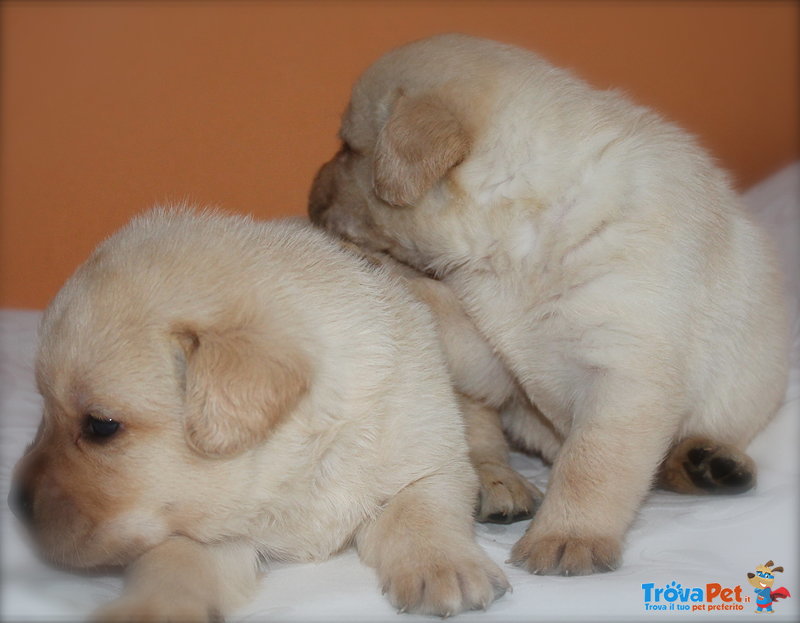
599,251
217,391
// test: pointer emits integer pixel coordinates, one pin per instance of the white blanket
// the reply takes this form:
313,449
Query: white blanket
708,543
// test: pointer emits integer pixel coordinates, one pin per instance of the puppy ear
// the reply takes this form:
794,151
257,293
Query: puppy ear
238,388
422,140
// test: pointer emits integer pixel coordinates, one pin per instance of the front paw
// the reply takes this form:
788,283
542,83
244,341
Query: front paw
444,584
565,554
172,609
505,495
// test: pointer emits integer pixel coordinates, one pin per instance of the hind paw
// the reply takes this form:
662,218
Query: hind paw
699,465
505,495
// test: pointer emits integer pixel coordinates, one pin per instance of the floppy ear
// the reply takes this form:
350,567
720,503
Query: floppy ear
422,140
238,387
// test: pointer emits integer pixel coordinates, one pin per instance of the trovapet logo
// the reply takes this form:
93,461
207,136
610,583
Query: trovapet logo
715,597
711,597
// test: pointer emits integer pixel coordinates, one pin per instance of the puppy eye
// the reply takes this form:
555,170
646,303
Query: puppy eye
100,429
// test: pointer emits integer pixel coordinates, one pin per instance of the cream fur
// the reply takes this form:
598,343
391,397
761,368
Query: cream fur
596,247
277,396
484,387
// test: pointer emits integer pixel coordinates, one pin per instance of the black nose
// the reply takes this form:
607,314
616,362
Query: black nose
20,501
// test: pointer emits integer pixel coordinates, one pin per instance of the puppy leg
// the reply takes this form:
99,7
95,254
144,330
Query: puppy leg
423,548
599,478
183,580
526,427
474,367
505,496
699,465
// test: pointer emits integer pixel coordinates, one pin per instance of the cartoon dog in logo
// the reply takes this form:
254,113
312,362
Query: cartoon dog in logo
762,580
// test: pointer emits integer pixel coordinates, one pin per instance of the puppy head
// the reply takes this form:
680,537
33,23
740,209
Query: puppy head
410,124
152,394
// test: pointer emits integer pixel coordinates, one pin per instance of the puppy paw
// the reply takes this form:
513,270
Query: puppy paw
505,496
562,554
172,609
699,465
444,585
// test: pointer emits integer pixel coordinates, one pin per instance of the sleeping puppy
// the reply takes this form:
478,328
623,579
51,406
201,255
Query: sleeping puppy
600,252
217,391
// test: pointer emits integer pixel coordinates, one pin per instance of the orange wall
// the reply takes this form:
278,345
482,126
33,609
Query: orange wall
108,107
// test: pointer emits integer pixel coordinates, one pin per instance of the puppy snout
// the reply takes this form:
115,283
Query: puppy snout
20,501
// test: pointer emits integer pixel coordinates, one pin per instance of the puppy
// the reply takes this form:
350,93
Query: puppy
600,252
217,391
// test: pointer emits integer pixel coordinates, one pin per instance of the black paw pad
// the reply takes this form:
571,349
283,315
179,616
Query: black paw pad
697,455
719,470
